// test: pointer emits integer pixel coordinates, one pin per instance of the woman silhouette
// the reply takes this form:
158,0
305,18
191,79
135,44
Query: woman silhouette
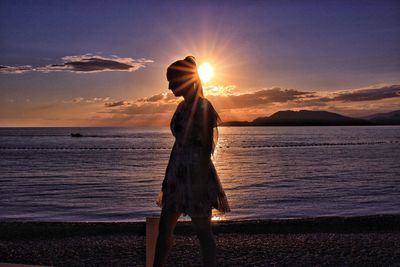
191,185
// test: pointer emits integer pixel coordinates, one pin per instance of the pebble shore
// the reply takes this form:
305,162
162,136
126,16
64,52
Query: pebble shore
329,241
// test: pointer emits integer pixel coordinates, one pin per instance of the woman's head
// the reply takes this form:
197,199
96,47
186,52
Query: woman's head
183,77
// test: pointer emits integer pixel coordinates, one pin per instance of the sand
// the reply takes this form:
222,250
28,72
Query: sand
329,241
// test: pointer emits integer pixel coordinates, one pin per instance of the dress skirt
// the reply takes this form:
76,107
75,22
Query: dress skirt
191,185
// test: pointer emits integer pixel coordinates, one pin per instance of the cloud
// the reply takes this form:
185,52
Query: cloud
80,99
368,94
155,98
349,96
87,63
158,103
258,98
218,89
158,108
90,64
77,99
116,104
97,99
166,97
309,102
15,69
147,108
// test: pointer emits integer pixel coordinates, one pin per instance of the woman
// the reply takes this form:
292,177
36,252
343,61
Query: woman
191,185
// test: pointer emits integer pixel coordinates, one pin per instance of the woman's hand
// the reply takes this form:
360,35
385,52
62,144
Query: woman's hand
159,199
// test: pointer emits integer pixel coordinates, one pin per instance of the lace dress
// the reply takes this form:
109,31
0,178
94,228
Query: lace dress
191,184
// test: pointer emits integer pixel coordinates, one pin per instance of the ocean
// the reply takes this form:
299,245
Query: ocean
115,174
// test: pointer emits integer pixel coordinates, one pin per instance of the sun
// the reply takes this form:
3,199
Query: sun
206,72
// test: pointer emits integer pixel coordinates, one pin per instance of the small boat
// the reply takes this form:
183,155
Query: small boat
76,135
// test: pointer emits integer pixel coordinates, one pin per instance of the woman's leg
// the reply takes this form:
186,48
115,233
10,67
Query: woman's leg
203,229
168,220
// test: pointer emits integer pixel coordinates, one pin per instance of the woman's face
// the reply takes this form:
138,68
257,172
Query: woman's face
179,88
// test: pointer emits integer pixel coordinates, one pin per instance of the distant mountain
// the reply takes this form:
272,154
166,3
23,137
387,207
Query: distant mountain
390,118
307,117
301,118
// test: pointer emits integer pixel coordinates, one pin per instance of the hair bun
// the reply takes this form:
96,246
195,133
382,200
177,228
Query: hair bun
191,59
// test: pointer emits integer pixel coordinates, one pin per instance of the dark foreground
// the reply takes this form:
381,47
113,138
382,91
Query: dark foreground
330,241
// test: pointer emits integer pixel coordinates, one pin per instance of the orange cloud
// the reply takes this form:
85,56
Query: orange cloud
157,109
248,106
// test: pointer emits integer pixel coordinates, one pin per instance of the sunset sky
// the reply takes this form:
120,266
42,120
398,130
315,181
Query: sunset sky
103,63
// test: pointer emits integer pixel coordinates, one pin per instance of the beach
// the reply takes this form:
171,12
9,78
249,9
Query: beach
322,241
282,118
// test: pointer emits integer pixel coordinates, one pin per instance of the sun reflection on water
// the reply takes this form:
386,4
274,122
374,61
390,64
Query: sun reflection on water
217,216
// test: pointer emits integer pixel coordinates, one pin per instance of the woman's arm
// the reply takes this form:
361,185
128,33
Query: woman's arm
203,129
164,183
